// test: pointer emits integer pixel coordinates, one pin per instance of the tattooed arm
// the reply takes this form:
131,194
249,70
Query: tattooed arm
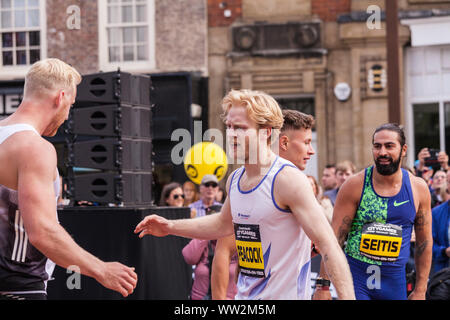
344,211
424,239
344,226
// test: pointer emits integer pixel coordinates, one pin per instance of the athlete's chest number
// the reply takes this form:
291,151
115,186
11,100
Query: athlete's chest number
381,242
249,249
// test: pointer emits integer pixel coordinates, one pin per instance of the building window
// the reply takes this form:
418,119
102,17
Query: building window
126,34
300,103
426,126
427,99
20,22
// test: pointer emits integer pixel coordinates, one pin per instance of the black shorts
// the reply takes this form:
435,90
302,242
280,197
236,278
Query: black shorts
23,296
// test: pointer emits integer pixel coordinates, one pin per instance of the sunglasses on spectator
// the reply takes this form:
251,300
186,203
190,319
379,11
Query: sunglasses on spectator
176,196
210,184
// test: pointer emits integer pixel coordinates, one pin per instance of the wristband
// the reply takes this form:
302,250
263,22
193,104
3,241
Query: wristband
314,249
324,288
320,282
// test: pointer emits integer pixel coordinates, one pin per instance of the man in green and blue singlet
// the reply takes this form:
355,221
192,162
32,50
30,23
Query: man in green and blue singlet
375,213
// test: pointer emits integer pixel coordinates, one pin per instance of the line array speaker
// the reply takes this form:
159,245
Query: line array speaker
112,154
113,87
110,141
127,188
111,121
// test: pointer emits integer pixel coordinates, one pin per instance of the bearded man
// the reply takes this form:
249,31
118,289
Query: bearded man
375,212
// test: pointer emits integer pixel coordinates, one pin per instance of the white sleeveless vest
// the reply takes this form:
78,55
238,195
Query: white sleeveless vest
23,268
274,251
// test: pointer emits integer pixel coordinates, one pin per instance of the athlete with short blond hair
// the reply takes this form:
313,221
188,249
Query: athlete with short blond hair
295,145
270,208
31,239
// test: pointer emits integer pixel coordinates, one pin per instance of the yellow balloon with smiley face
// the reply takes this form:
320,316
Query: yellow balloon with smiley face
205,158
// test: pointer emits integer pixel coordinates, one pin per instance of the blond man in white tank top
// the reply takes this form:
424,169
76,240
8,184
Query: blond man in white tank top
271,209
295,145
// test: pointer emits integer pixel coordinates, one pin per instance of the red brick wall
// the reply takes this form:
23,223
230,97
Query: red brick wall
216,16
76,47
328,10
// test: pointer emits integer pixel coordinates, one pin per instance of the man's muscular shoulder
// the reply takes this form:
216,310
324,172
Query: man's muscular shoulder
417,182
419,188
37,143
355,181
25,151
33,150
352,187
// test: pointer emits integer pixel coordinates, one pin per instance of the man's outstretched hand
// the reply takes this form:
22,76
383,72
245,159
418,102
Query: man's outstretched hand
154,225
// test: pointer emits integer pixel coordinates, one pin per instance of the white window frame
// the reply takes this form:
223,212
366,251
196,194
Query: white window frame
410,101
128,66
19,71
428,31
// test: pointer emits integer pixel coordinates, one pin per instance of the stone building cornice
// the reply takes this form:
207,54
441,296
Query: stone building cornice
357,34
362,16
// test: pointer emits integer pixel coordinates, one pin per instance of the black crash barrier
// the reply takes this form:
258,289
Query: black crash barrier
108,233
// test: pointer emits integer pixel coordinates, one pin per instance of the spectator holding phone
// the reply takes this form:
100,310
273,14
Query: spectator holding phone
431,157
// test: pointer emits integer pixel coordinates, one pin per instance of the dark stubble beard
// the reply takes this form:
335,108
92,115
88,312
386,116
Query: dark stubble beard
388,169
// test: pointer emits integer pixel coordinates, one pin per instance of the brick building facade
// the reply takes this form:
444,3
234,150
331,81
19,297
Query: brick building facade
78,47
350,52
158,37
308,49
176,33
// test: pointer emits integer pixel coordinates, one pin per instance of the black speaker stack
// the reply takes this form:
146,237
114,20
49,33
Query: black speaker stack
108,234
109,141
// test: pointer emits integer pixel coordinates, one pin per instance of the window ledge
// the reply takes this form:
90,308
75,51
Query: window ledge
141,66
13,72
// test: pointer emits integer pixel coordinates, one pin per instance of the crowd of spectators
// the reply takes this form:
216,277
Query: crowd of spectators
209,196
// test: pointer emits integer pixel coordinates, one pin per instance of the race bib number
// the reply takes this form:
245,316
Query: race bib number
381,242
249,248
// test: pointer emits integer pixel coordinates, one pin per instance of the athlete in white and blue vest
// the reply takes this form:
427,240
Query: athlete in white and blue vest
295,145
270,207
274,251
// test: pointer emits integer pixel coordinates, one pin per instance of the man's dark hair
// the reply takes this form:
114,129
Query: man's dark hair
296,120
392,127
330,166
